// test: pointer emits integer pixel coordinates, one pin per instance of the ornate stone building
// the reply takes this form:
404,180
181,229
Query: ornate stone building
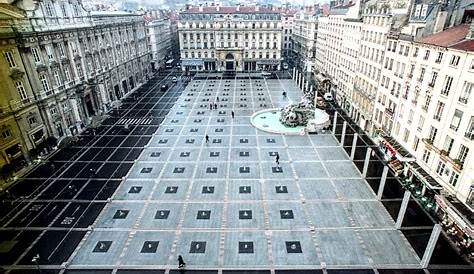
73,64
230,38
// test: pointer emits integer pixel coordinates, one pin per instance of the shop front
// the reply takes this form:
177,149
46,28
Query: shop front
268,65
191,65
456,219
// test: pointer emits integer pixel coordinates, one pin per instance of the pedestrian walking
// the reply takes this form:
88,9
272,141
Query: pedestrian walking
207,138
232,114
277,159
217,99
181,262
215,106
210,106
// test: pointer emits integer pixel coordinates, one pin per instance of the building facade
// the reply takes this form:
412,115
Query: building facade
73,64
215,38
423,102
287,17
159,41
305,29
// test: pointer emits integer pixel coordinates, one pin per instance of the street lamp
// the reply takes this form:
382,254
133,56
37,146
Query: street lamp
35,260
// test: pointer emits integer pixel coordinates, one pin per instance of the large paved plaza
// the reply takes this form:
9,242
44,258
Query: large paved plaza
138,198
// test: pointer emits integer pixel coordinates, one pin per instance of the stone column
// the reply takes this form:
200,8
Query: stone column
294,74
343,136
382,183
334,123
354,144
431,246
366,162
403,209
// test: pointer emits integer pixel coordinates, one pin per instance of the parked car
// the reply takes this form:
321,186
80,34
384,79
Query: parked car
285,66
174,79
328,96
266,73
164,87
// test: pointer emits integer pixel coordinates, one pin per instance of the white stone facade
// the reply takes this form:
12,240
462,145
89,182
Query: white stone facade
78,62
159,40
305,31
230,39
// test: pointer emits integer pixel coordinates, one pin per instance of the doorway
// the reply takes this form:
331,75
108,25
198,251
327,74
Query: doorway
229,61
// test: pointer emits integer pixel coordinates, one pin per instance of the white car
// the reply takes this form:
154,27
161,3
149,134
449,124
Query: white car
174,79
327,96
285,66
266,73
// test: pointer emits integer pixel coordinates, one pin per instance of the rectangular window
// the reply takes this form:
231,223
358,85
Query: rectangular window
44,82
454,178
454,60
7,133
466,92
61,50
416,142
10,59
462,155
427,54
422,74
21,90
49,52
67,74
448,144
447,85
421,123
456,120
57,78
439,111
433,132
434,76
440,168
439,58
426,155
36,55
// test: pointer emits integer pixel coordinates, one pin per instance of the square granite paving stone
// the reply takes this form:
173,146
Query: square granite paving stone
208,190
353,189
236,254
152,218
245,215
269,154
270,140
328,215
241,119
169,130
297,141
244,154
86,256
184,154
389,247
310,170
244,141
332,153
133,189
208,258
342,169
213,154
218,130
203,215
157,255
141,170
341,247
284,171
242,190
178,170
244,170
194,130
369,214
317,189
303,154
155,154
286,215
119,215
274,190
243,130
282,258
324,140
171,190
163,141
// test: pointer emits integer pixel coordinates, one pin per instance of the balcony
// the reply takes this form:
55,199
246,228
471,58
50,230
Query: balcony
462,100
431,85
469,135
424,108
454,127
437,117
